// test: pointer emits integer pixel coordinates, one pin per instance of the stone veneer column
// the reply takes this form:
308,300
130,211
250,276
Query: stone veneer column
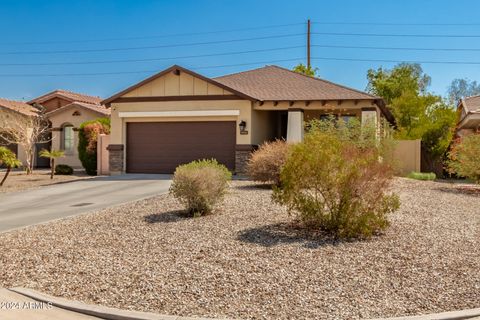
242,155
115,159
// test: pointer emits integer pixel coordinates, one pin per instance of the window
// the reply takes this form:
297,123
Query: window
68,138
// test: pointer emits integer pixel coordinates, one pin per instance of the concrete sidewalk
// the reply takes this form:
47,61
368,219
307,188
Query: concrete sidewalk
20,209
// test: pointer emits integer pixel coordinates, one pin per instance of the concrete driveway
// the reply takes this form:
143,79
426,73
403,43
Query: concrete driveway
62,200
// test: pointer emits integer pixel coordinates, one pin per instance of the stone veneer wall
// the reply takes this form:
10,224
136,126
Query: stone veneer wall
242,155
115,161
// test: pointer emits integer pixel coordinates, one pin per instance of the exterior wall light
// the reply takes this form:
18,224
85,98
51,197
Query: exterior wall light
243,126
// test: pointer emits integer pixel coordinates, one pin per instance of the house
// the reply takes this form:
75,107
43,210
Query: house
14,111
469,116
177,115
66,111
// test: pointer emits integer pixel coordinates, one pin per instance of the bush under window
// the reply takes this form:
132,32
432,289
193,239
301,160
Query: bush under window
63,169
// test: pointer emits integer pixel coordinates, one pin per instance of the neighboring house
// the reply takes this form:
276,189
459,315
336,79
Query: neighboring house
177,116
469,116
66,111
9,110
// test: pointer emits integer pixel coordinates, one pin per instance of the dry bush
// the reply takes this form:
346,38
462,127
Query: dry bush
464,157
200,185
335,181
266,163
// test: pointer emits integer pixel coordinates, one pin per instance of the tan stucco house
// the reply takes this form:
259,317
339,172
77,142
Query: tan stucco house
177,115
468,116
66,111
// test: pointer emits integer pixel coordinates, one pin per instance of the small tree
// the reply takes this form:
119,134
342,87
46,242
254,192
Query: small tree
26,131
303,69
9,160
464,157
52,155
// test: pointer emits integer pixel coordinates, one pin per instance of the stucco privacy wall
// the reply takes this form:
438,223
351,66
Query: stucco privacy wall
63,117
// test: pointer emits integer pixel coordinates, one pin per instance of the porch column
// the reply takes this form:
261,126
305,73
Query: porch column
295,125
369,116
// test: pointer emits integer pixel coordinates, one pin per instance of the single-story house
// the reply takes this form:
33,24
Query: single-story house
12,111
177,115
66,111
468,116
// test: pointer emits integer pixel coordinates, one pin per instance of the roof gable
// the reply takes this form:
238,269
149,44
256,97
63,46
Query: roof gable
176,81
472,104
100,109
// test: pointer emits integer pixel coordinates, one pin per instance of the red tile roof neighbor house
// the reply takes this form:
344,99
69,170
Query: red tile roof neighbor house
68,95
18,106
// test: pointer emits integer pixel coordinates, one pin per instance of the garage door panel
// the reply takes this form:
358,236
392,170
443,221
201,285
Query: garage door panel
159,147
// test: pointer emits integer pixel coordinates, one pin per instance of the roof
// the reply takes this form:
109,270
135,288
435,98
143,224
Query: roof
68,95
19,107
96,108
273,83
181,69
471,104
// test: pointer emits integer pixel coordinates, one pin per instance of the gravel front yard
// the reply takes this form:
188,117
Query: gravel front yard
247,262
19,180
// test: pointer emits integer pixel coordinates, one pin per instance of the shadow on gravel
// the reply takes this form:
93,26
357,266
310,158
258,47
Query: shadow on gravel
286,233
467,190
167,217
254,186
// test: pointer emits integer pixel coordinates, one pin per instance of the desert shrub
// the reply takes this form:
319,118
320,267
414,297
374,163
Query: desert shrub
87,142
336,180
463,158
422,175
266,163
200,185
63,169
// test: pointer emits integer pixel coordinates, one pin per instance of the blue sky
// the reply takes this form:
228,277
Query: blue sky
31,28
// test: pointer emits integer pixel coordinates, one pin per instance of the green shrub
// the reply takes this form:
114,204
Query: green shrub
200,185
87,142
63,169
464,157
266,163
422,175
335,181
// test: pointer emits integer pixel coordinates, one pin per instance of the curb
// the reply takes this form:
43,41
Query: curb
98,311
450,315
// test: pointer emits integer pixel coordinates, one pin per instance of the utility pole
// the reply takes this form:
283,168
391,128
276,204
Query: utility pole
308,44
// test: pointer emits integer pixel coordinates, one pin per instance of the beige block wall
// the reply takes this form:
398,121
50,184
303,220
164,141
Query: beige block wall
407,156
264,124
61,118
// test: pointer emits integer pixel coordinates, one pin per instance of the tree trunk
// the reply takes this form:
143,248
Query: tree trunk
5,176
52,165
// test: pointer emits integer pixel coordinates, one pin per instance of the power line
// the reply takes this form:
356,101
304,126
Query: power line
155,47
395,48
397,35
155,36
149,59
147,71
398,61
394,23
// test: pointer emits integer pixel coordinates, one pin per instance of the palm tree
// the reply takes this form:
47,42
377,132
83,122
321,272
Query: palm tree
8,159
52,155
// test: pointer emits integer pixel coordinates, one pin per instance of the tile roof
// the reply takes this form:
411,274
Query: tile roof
18,106
97,108
472,104
273,83
69,95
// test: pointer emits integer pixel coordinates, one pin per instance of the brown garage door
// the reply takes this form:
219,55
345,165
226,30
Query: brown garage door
159,147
